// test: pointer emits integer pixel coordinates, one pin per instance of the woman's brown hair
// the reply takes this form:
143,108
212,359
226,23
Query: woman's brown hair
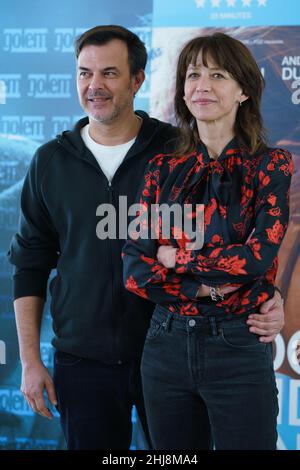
233,56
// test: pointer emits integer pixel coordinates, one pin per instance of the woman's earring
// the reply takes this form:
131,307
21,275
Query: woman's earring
240,103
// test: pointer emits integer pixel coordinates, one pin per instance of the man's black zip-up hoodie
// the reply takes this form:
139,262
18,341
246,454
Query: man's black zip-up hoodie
93,314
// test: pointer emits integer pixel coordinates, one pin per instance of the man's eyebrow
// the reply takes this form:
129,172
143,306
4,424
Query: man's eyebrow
80,67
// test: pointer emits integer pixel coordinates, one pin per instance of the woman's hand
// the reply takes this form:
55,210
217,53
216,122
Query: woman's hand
166,255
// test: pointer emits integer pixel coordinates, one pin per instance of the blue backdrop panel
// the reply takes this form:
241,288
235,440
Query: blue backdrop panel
37,67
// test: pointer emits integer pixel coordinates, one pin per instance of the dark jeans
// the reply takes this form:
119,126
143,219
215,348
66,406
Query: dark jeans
207,373
95,401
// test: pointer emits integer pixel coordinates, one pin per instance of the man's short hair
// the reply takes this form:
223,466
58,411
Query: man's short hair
99,35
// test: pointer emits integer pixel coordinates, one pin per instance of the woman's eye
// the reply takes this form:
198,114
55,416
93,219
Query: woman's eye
193,75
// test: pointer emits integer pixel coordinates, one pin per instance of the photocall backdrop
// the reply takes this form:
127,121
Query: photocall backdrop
38,100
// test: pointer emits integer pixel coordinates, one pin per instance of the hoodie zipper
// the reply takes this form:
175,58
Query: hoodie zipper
110,200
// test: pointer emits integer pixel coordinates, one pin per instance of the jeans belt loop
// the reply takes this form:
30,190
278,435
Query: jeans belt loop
166,323
213,326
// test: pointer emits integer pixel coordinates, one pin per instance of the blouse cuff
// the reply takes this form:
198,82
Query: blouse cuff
189,288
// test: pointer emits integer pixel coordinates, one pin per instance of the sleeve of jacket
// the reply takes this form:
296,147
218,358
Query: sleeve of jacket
34,250
143,274
242,263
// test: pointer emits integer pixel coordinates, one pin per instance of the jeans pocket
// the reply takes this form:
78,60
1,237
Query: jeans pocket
240,337
155,329
66,359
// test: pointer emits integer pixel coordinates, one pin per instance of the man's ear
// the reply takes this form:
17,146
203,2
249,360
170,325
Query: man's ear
138,80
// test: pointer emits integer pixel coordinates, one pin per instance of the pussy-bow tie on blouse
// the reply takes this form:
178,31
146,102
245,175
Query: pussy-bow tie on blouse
200,171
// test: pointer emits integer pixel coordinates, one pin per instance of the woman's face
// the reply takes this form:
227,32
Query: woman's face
211,94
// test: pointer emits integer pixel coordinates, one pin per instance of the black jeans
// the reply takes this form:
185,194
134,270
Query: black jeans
201,374
95,401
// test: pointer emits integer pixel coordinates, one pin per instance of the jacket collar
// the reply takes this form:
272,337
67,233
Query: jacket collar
72,141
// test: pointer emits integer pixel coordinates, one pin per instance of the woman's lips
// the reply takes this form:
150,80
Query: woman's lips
204,101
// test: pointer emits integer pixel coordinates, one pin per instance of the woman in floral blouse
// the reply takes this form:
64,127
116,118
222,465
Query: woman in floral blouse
201,368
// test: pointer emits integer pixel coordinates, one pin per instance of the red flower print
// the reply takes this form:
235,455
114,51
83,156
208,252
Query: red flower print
247,194
245,298
160,273
147,260
215,253
275,211
240,229
233,265
275,233
183,257
272,199
175,191
132,286
223,211
172,289
156,174
264,179
287,168
255,248
262,297
233,161
188,309
200,164
216,168
173,162
272,272
141,293
209,210
217,240
164,241
232,299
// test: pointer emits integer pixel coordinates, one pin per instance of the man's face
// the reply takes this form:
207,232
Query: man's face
104,84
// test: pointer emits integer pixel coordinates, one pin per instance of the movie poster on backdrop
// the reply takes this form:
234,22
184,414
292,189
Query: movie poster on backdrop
38,100
276,49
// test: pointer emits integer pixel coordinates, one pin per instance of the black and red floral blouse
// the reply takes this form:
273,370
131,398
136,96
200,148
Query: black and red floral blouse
246,212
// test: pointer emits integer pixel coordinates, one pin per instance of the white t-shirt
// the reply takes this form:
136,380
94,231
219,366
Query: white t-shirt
109,157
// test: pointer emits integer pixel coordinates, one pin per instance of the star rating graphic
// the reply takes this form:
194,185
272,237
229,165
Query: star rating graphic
229,3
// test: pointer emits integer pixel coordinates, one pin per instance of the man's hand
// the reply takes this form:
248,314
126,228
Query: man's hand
36,378
270,321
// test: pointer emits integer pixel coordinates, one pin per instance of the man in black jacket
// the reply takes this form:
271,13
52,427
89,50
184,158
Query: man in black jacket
99,326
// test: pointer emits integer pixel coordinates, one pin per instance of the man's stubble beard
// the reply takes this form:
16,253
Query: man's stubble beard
116,112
